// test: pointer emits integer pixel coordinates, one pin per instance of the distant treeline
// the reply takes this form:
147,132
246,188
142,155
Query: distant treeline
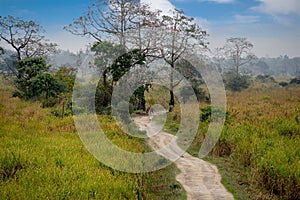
280,66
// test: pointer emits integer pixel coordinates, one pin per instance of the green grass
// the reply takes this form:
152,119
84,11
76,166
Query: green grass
163,185
42,157
260,145
258,153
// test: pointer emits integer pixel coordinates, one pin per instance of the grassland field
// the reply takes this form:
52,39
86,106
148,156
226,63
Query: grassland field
42,157
258,153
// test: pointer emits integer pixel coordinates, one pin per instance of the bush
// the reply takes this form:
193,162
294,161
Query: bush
283,84
206,114
33,82
236,82
295,80
265,79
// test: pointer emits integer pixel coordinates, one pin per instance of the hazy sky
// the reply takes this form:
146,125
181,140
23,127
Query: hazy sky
273,26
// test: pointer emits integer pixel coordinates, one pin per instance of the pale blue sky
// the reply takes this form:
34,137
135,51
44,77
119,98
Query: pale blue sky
272,25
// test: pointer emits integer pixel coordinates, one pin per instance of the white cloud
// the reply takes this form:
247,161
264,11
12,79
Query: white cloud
246,19
279,7
164,5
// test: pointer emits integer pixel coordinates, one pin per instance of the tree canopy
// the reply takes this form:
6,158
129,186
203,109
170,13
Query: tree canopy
25,37
239,50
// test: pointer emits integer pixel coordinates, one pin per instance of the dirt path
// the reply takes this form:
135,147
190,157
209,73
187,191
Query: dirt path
200,179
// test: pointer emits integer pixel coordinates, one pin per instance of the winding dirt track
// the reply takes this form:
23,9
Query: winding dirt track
200,179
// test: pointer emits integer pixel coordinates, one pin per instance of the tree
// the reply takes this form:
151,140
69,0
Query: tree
181,35
43,87
25,37
106,53
187,70
66,75
239,51
124,19
35,82
122,65
31,67
218,58
114,62
236,82
116,17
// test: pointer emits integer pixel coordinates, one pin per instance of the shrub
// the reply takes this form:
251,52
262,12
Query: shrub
206,114
265,78
33,82
236,82
283,84
295,80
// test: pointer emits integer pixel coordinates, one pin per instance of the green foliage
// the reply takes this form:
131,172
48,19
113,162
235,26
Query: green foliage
106,53
138,101
265,78
103,98
31,67
34,82
218,113
125,62
114,62
186,93
186,69
193,76
283,84
45,86
200,93
295,80
66,76
236,82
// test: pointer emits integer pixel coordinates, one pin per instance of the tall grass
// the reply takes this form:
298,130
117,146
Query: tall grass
263,137
259,149
42,157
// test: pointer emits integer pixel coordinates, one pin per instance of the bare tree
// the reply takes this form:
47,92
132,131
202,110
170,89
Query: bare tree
115,17
25,37
239,51
127,20
218,58
181,35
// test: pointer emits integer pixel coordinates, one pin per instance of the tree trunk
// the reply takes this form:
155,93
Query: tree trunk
18,54
142,104
106,89
19,75
172,101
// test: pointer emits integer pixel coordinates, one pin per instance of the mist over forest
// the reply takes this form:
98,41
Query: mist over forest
278,66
